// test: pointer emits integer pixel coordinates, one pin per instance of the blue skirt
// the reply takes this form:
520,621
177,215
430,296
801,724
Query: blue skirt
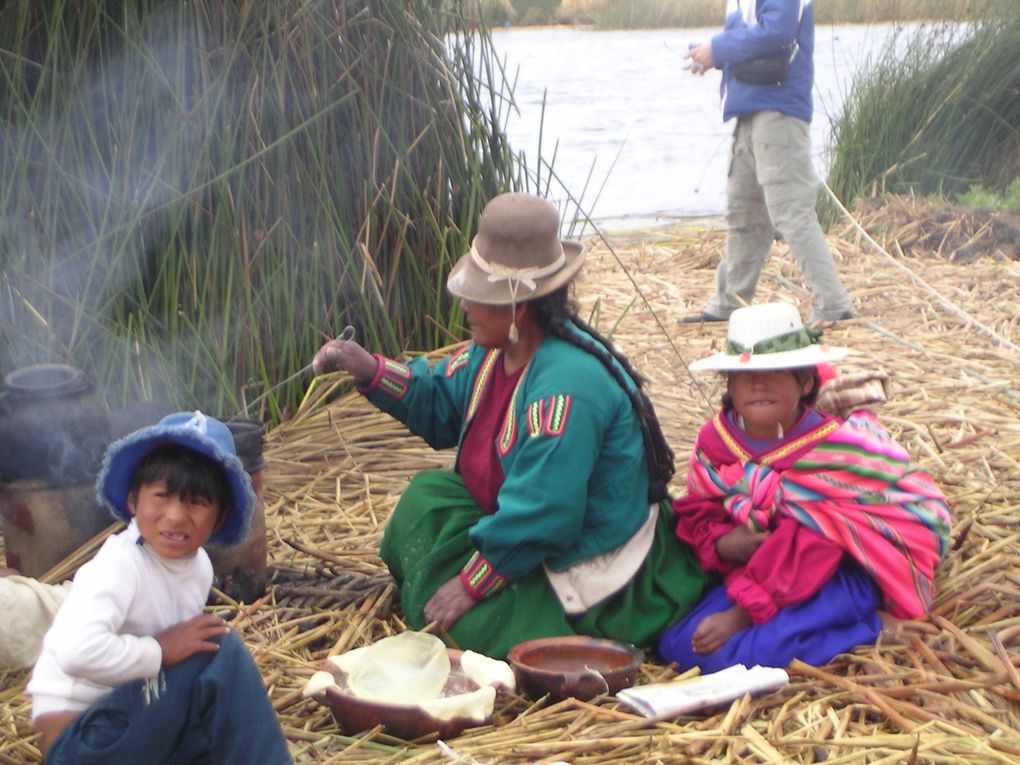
841,615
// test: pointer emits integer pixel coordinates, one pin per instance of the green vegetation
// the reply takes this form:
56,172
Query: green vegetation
936,120
654,14
978,196
196,194
878,11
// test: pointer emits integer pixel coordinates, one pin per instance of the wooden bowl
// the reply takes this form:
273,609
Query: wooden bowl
407,722
576,666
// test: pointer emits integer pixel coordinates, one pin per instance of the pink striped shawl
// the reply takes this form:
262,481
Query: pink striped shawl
848,481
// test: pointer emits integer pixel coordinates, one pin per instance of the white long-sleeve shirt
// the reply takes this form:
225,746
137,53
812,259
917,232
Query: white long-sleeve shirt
102,635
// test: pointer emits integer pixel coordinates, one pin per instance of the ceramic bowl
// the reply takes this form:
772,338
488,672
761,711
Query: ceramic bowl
575,666
407,722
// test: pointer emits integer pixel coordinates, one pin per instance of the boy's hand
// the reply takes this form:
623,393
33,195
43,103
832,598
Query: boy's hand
193,636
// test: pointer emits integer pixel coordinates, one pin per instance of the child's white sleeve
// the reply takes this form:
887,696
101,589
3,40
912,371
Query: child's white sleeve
85,635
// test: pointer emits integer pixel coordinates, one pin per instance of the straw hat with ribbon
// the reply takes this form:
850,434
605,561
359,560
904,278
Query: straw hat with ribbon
768,336
517,254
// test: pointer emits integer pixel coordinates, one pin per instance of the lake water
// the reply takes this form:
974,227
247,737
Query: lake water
646,136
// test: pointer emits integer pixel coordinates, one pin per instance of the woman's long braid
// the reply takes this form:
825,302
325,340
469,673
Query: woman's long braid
553,311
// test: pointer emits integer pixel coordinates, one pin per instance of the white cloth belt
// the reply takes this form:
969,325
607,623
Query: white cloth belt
591,581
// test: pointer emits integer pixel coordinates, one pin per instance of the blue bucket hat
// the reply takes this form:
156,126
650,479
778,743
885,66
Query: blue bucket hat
192,430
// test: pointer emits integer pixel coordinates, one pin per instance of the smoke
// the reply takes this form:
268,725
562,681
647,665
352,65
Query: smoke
97,181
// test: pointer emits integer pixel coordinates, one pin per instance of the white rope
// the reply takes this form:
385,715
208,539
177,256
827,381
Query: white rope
946,302
517,276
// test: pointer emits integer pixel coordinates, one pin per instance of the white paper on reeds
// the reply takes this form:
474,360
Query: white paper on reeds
704,692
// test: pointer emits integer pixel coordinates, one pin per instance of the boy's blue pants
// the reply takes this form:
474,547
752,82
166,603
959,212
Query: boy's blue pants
212,709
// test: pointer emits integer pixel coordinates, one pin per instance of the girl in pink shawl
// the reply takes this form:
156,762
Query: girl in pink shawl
813,523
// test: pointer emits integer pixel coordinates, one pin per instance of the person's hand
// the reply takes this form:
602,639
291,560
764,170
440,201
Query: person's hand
700,58
348,356
188,638
450,602
739,544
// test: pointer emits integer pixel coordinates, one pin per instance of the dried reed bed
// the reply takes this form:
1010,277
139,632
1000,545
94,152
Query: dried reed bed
942,690
922,226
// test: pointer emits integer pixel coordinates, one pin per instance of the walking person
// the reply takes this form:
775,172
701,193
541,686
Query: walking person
772,185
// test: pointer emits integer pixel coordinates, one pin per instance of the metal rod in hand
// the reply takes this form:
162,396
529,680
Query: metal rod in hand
346,335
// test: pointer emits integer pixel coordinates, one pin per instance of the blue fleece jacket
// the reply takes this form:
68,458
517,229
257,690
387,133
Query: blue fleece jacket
776,27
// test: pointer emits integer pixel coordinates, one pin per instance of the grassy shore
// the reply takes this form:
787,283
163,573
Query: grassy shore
650,14
938,117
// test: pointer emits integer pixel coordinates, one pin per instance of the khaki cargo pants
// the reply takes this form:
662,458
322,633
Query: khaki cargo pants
772,186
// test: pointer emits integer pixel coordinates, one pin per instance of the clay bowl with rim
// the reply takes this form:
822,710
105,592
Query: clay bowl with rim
403,721
575,666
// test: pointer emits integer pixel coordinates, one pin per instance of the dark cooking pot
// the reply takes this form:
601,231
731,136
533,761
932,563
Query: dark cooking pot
53,433
52,427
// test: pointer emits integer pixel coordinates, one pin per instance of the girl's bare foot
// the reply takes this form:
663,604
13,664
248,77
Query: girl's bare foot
717,628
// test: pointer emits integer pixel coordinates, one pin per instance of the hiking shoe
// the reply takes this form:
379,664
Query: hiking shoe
699,318
847,314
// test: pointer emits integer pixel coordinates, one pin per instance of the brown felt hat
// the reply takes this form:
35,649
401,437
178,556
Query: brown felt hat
517,254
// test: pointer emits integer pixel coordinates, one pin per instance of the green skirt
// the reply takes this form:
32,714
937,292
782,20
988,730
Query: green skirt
426,544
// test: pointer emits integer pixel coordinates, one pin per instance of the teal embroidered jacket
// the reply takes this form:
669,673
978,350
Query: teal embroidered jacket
576,475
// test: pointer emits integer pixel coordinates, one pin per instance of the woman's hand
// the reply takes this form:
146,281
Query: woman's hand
450,602
348,356
739,544
193,636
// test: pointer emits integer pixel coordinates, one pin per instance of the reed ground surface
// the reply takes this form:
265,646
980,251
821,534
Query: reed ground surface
942,690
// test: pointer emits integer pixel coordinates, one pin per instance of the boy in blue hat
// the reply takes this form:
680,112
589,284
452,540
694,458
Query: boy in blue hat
132,669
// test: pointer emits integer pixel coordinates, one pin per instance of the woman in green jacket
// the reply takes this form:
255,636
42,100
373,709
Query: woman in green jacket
551,522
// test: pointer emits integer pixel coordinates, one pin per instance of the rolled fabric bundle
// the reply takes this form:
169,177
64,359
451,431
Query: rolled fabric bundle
28,606
848,391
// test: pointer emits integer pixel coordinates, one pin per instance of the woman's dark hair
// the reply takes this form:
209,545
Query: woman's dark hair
552,312
186,473
801,374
